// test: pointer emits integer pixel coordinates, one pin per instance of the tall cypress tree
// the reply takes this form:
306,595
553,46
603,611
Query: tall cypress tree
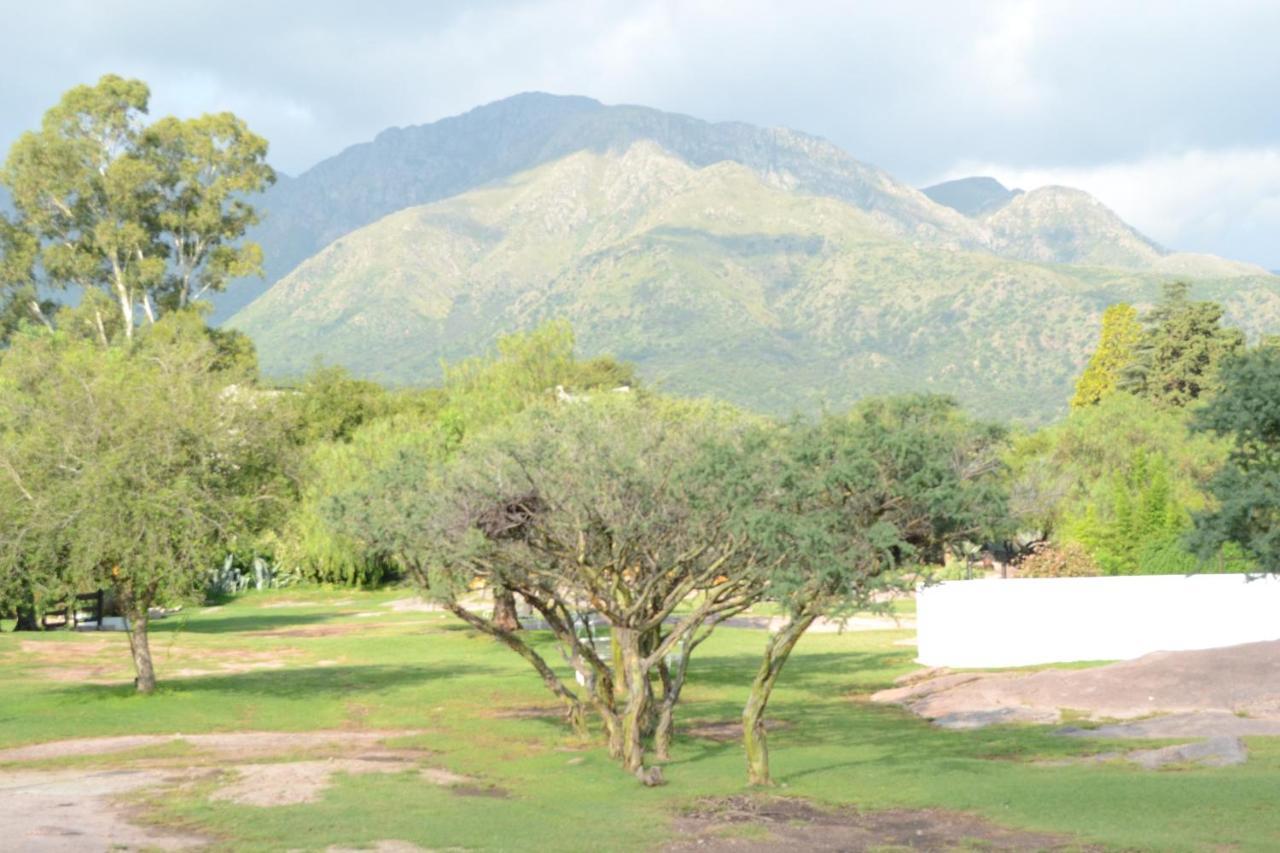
1117,345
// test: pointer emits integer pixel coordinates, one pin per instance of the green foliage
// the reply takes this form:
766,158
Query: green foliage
1183,343
1117,345
1135,524
855,496
1123,478
347,427
1057,473
1246,510
150,215
133,468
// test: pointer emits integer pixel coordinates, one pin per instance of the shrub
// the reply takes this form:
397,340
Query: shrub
1048,560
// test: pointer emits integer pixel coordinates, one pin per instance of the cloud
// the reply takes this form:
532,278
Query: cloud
911,85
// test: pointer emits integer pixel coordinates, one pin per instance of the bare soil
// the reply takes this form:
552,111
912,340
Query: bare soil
751,824
74,810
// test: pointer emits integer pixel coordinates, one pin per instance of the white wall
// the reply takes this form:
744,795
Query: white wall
1023,621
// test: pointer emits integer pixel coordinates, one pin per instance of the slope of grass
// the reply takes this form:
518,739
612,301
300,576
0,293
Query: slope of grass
423,671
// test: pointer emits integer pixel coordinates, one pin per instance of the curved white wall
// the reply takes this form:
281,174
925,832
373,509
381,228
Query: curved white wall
1024,621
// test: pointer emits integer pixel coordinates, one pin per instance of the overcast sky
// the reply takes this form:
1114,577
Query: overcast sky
1168,111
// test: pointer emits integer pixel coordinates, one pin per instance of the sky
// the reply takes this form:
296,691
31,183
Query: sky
1168,111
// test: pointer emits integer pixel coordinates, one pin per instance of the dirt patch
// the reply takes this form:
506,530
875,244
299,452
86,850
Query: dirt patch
236,745
293,782
387,845
780,823
726,731
1234,680
74,811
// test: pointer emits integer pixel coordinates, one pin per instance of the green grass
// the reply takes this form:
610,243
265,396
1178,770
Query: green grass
423,671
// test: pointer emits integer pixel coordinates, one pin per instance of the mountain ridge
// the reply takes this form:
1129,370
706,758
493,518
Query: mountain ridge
714,280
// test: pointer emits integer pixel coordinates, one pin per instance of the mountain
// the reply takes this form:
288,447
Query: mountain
715,279
404,167
1067,226
973,197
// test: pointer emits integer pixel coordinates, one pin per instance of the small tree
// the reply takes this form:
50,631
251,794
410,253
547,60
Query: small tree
1117,348
130,468
845,504
600,506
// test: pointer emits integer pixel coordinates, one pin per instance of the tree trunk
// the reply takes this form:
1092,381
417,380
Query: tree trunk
753,735
27,618
573,706
637,707
140,646
505,616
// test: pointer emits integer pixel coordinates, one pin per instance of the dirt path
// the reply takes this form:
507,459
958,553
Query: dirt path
92,809
67,810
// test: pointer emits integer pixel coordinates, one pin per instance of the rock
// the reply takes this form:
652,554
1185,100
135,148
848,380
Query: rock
1213,752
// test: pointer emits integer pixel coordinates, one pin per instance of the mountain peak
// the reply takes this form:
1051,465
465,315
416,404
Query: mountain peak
974,197
1056,224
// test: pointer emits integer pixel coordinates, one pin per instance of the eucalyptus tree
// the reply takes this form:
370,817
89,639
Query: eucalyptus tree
601,506
131,468
842,506
152,215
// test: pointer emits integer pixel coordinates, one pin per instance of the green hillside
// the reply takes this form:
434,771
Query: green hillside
713,280
408,166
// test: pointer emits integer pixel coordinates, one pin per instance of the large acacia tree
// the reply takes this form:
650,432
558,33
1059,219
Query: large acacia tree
152,215
600,506
128,467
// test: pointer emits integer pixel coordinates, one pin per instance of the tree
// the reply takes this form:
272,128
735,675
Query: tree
1117,345
150,215
1058,473
346,427
1246,411
1183,343
597,506
131,468
845,505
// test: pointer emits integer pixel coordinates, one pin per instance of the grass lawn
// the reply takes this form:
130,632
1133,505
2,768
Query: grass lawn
300,660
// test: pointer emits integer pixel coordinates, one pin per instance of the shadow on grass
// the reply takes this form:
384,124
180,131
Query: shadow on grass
300,683
267,621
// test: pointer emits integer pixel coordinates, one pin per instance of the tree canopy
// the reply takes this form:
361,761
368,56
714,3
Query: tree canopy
151,215
130,468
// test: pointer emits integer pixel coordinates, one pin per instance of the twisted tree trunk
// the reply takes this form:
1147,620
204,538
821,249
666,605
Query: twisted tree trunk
753,735
505,616
637,707
573,706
